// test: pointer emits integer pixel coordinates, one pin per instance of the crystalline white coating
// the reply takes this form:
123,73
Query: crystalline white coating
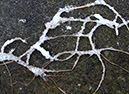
11,51
79,85
57,20
20,88
90,87
43,51
37,71
5,56
68,27
22,20
100,2
4,72
106,22
10,41
67,8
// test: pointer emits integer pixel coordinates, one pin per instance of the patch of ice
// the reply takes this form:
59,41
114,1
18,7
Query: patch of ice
68,27
43,51
11,41
90,87
22,20
79,85
20,88
100,2
4,72
118,43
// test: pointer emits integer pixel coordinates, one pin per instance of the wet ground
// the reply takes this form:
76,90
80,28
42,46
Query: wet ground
87,74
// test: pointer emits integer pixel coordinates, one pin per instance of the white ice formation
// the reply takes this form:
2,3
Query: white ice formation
56,21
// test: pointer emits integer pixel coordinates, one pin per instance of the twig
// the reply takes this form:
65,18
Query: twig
114,63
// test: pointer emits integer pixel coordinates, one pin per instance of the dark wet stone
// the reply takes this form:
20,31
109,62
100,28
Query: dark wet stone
87,74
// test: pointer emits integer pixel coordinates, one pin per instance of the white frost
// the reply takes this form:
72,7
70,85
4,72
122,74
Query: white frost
100,2
57,20
43,51
22,20
79,85
68,27
11,41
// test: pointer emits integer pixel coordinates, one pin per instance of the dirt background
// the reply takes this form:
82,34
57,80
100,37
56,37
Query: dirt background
87,74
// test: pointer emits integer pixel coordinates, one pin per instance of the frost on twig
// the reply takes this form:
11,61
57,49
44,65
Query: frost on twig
56,21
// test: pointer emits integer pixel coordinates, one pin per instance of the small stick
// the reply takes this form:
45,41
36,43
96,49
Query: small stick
57,86
103,74
120,51
75,63
9,74
46,64
49,85
31,35
24,83
55,75
4,63
114,63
